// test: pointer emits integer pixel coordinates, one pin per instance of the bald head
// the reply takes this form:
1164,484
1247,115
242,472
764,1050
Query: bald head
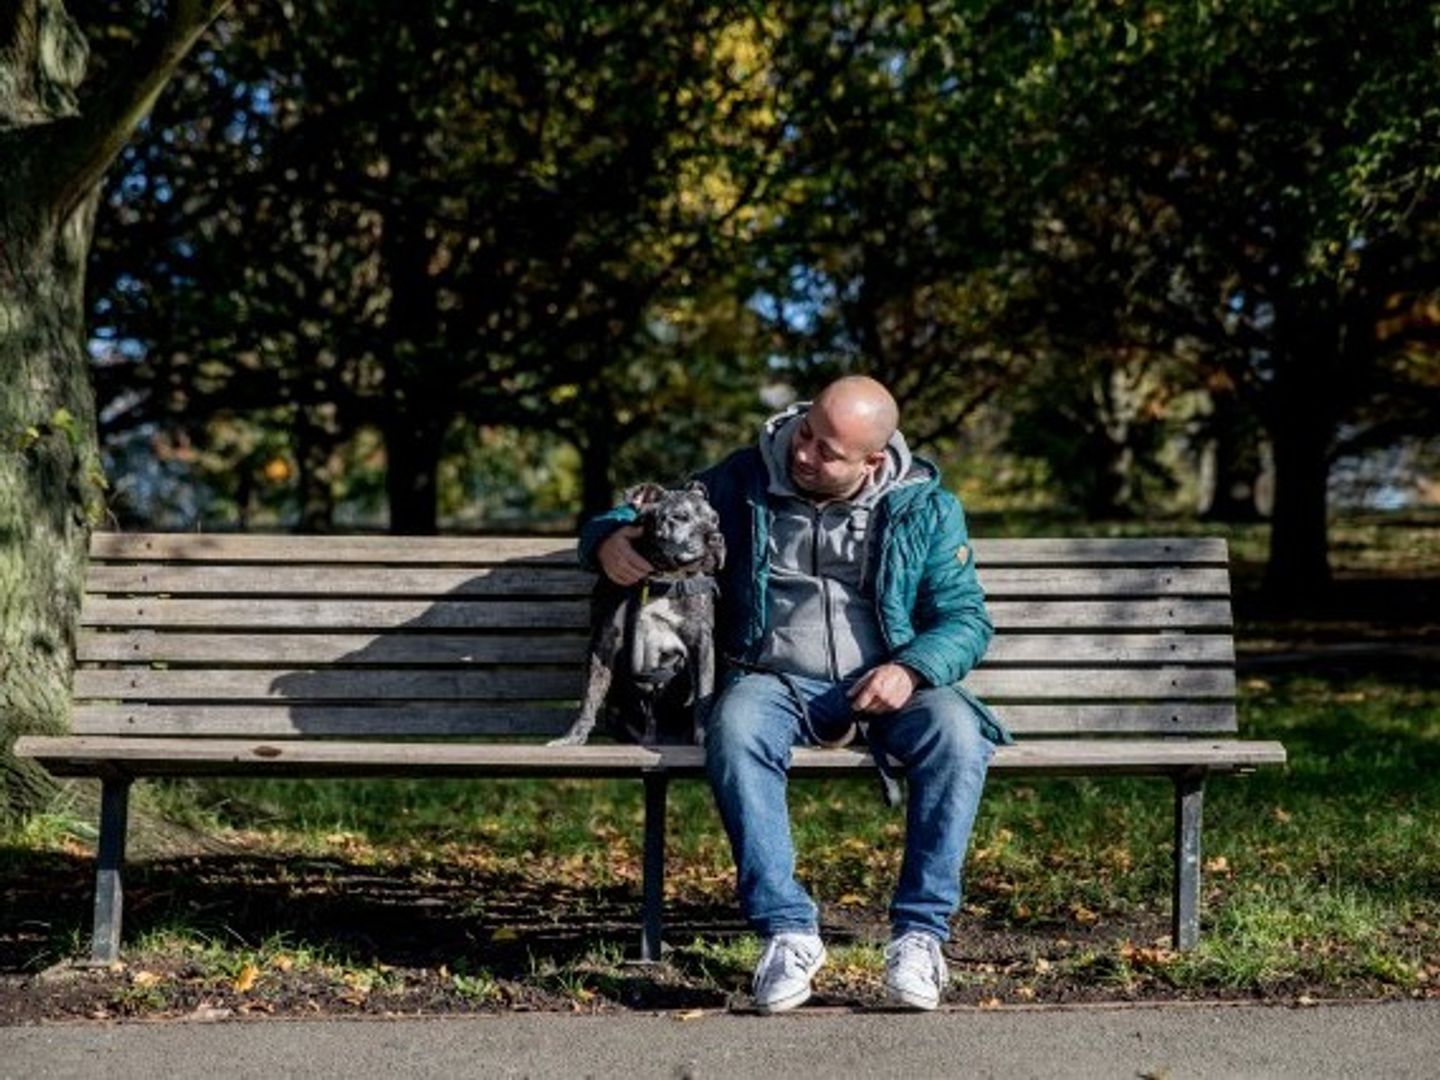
840,442
862,408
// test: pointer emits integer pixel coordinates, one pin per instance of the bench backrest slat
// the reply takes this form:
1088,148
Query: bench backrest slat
510,550
374,637
289,613
439,650
331,582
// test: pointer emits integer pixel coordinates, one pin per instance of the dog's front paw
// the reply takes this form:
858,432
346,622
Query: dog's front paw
570,738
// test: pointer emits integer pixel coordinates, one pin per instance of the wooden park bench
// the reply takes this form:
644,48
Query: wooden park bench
287,656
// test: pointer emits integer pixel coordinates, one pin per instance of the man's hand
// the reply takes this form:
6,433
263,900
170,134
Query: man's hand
618,558
885,689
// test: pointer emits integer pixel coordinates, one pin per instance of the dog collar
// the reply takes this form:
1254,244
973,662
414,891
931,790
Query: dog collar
687,585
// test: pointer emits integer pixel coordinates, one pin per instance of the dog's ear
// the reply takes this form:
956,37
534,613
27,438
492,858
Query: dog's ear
695,487
641,495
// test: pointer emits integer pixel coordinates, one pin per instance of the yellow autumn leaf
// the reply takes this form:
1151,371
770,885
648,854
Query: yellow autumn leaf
246,979
690,1014
505,933
282,962
143,979
851,899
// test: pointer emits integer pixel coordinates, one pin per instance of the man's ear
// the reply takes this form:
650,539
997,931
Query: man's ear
641,495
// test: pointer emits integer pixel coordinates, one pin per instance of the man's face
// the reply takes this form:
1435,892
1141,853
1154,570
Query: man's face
830,459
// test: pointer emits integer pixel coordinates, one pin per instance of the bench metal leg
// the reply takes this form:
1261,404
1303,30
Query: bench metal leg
656,787
1189,803
109,859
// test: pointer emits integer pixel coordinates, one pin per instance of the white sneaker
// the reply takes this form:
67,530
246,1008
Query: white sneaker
787,964
915,972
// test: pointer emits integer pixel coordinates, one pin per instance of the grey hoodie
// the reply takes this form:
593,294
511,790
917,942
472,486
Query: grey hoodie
822,620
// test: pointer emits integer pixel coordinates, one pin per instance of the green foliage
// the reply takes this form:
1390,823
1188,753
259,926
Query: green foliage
1098,240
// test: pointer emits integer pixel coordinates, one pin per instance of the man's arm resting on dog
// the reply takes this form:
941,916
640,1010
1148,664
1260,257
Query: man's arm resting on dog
605,546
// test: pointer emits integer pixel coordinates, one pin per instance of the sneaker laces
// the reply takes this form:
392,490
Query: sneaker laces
917,952
785,955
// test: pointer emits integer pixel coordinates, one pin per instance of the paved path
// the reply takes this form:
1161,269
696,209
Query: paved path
1390,1040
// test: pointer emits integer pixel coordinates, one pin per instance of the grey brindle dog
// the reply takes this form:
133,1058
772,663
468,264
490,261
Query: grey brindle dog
651,670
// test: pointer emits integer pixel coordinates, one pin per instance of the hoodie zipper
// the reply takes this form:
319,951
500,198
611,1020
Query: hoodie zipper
831,662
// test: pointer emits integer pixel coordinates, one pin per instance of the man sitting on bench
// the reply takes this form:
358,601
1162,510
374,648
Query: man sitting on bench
849,595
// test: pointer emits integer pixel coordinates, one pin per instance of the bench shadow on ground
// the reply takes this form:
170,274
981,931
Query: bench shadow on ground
410,914
401,916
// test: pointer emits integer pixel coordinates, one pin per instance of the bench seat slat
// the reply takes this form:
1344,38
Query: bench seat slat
137,646
194,684
437,583
87,755
459,550
243,613
440,719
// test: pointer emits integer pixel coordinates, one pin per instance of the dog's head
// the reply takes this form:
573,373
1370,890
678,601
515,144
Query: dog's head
682,529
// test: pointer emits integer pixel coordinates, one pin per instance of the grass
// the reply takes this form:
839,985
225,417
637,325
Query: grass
1322,879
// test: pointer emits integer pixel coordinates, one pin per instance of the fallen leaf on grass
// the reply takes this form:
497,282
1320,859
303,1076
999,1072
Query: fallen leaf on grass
1146,957
1083,915
1025,993
246,979
851,899
282,963
143,979
1218,865
990,1003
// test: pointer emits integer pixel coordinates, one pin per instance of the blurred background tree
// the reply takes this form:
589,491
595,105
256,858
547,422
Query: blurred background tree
1180,257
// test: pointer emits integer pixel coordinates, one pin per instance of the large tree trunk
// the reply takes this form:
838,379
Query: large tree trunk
1299,563
55,145
50,477
412,470
1235,467
597,462
1301,422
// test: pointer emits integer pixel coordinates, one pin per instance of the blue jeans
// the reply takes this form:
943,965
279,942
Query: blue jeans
936,735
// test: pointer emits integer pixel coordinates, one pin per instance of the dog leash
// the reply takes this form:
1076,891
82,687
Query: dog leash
889,785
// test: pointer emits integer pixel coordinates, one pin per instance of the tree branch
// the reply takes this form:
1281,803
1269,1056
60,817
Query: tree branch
80,149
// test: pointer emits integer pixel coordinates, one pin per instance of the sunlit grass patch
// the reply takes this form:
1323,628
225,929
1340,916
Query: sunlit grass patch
1287,931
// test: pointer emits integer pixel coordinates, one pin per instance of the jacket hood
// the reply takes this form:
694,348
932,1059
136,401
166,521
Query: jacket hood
901,468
